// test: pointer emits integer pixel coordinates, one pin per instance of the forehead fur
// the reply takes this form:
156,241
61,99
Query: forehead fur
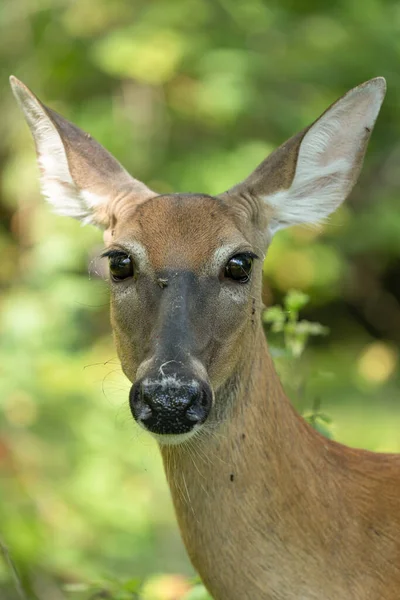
179,230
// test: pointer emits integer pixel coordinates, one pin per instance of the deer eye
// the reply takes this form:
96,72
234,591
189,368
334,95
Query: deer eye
239,268
121,266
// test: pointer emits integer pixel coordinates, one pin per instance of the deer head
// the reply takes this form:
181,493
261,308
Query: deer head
186,269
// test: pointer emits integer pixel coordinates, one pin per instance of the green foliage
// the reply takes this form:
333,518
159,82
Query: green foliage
319,420
156,588
296,334
197,593
286,320
190,96
112,589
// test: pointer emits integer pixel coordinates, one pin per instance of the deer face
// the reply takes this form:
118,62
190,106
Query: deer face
185,269
185,285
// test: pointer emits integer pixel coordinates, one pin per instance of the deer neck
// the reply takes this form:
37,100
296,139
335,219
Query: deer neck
243,488
248,496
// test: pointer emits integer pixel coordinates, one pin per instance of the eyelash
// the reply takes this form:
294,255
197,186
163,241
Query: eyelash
113,253
248,253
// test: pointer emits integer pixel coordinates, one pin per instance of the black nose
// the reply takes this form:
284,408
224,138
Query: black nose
170,405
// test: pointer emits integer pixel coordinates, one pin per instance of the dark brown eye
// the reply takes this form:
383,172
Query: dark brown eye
239,268
121,266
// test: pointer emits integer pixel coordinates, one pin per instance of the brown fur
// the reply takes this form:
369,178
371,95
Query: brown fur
268,508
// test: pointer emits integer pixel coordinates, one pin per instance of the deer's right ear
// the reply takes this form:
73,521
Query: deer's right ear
79,177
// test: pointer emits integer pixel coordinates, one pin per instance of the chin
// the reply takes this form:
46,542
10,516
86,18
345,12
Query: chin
174,439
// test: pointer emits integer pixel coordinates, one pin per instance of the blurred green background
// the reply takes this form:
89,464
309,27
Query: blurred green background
190,95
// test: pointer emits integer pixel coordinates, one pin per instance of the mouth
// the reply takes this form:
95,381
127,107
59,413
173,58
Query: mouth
174,440
172,409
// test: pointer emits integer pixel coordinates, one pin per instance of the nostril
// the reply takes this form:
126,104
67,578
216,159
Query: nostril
141,407
149,397
200,407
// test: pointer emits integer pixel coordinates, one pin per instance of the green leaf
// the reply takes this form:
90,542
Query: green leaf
274,314
295,300
325,418
311,328
320,425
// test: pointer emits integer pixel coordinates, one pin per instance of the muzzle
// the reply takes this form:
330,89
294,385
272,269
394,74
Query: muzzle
170,405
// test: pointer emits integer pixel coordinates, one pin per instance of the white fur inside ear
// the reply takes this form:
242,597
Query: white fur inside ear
328,159
57,184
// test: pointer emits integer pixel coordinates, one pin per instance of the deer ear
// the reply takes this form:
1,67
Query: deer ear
79,177
309,176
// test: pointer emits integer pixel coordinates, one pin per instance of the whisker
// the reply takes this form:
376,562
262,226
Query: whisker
103,364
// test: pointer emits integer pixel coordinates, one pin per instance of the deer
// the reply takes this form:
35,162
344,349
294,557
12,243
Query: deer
268,509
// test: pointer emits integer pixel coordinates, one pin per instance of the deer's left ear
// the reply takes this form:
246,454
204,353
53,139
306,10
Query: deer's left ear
79,178
310,175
